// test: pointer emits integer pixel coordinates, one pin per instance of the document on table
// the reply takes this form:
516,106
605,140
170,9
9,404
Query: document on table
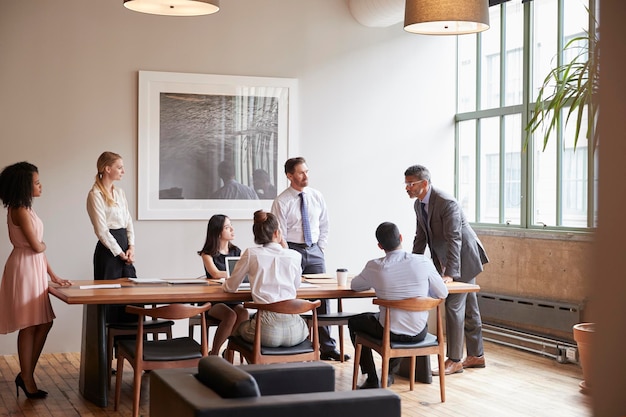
201,281
96,286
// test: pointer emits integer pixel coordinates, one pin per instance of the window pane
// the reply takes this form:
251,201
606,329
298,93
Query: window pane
467,168
514,41
545,38
544,180
575,18
574,176
490,170
490,62
512,169
466,81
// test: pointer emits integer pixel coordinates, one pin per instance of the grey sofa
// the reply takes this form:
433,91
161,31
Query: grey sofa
302,389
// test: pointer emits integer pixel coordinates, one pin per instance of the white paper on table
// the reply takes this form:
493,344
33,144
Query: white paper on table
96,286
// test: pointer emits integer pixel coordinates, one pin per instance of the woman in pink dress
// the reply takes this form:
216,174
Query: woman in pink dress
24,301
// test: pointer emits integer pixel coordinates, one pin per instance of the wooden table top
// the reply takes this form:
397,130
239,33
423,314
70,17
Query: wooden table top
131,292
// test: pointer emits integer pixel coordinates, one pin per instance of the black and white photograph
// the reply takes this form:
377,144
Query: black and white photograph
209,142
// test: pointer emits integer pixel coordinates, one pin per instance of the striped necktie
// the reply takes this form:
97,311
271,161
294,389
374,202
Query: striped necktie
306,227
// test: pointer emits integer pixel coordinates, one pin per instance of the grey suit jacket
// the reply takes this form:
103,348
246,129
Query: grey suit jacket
453,243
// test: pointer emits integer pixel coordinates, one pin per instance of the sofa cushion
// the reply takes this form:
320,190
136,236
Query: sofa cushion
226,380
292,377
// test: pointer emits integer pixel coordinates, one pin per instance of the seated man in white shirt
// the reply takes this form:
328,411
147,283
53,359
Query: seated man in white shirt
396,276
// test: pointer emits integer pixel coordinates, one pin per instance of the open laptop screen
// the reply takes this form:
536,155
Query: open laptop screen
231,261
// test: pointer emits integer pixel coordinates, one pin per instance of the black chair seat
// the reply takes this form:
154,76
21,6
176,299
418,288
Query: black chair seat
429,340
181,348
147,324
304,347
342,316
339,318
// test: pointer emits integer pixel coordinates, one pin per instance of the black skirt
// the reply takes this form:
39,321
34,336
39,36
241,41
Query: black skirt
107,266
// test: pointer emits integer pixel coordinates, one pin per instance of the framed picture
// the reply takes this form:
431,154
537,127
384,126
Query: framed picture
212,144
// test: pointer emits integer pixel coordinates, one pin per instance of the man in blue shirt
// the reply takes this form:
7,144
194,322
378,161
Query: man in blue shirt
396,276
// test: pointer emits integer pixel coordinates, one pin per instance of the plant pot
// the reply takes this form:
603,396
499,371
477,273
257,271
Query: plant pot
583,333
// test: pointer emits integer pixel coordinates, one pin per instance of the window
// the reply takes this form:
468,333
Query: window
503,180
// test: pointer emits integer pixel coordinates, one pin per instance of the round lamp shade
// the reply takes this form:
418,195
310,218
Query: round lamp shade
446,17
174,7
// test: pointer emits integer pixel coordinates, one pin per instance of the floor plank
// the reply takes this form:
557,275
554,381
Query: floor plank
514,384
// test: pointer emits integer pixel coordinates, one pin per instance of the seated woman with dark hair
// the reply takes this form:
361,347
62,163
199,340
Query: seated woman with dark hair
217,246
275,274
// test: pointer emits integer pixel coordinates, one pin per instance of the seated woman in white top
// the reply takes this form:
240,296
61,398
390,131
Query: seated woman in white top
275,274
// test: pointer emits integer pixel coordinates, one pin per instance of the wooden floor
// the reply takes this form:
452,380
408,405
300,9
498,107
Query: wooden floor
514,383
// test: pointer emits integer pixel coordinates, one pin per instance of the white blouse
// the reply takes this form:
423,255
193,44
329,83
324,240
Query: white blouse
275,273
104,217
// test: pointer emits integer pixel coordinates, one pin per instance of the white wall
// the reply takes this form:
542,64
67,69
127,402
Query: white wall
372,102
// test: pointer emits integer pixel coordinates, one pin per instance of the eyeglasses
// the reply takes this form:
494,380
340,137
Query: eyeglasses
411,184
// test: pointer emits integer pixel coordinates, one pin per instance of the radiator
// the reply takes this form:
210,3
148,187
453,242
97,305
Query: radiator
535,325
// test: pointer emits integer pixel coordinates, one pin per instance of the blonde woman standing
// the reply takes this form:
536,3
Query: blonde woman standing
108,211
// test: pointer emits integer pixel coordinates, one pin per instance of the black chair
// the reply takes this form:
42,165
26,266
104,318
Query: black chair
340,318
151,326
157,354
388,349
255,353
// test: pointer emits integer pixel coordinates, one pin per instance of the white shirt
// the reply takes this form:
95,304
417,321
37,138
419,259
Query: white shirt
397,276
104,217
274,272
286,208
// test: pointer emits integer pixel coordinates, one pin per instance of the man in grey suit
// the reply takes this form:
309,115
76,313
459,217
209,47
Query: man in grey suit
458,255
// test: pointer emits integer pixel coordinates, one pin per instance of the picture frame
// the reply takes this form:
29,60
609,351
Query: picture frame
212,144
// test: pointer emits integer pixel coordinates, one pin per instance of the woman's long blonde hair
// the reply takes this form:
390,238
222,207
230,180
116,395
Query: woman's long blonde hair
106,159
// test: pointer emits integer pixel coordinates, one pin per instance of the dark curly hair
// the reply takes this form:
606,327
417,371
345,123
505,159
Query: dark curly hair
16,185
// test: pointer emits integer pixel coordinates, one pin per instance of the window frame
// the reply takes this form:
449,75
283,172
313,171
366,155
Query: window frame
527,186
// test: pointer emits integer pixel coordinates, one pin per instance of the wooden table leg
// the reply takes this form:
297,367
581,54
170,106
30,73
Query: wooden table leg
93,367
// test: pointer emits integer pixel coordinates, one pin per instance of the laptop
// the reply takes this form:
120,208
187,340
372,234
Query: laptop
231,261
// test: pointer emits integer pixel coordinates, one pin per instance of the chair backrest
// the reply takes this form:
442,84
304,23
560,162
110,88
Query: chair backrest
410,304
171,312
296,306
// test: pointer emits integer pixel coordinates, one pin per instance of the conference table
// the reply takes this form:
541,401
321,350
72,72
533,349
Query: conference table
95,295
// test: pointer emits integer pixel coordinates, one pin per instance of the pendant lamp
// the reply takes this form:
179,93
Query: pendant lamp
174,7
446,17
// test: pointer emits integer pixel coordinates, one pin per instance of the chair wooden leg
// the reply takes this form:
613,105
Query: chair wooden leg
442,379
412,374
230,355
109,359
118,381
385,372
357,359
136,390
341,343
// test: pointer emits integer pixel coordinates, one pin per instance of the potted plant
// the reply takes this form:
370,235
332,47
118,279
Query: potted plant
569,88
583,334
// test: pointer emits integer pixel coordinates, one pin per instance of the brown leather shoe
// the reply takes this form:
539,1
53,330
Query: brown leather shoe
450,367
474,362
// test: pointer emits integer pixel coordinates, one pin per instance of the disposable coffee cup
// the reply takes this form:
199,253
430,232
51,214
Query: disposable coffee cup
342,276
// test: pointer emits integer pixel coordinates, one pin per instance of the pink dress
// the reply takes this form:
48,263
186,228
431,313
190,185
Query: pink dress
24,299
